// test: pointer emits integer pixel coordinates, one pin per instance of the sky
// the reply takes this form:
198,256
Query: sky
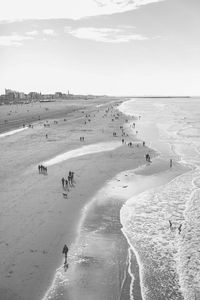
113,47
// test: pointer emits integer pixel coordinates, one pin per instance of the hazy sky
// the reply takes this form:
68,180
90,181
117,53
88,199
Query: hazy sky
115,47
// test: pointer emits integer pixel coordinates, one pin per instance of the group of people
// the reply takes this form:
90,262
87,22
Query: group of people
82,139
42,169
66,183
148,158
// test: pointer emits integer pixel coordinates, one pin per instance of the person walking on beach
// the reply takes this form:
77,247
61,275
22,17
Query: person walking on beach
170,163
63,182
179,228
66,184
69,179
170,224
65,251
39,169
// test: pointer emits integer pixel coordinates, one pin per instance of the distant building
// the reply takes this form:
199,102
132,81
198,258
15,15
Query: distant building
34,95
12,95
22,96
58,95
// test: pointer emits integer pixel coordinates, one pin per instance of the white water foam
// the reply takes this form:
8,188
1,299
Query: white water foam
8,133
122,187
85,150
169,262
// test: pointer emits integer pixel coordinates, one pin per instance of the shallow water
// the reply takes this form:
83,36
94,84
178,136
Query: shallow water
169,262
100,264
8,133
149,260
85,150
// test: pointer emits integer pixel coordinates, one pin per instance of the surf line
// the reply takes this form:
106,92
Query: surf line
138,262
85,150
8,133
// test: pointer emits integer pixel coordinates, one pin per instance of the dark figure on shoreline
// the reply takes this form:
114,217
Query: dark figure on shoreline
170,163
143,144
63,182
69,179
65,251
170,224
148,157
66,184
42,169
46,136
179,228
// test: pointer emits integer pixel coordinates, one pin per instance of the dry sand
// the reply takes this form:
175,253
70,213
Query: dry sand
36,221
15,115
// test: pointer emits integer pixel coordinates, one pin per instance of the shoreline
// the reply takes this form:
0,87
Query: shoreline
110,165
42,218
174,247
133,260
62,294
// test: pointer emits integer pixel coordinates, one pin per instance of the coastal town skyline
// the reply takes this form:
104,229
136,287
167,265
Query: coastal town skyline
143,47
11,95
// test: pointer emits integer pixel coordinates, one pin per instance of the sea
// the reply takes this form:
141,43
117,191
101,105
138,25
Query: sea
125,247
169,261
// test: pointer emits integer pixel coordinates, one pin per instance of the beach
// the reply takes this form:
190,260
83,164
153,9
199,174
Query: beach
36,221
104,219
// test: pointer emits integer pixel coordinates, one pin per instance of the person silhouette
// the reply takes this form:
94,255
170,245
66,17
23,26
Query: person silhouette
179,228
170,224
65,251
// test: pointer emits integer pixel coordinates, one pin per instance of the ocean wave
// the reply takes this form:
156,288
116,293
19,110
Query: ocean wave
145,219
168,257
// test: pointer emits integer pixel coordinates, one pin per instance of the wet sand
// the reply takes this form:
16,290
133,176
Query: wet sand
36,221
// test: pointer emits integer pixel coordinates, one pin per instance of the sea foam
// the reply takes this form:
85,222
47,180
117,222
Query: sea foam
168,258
